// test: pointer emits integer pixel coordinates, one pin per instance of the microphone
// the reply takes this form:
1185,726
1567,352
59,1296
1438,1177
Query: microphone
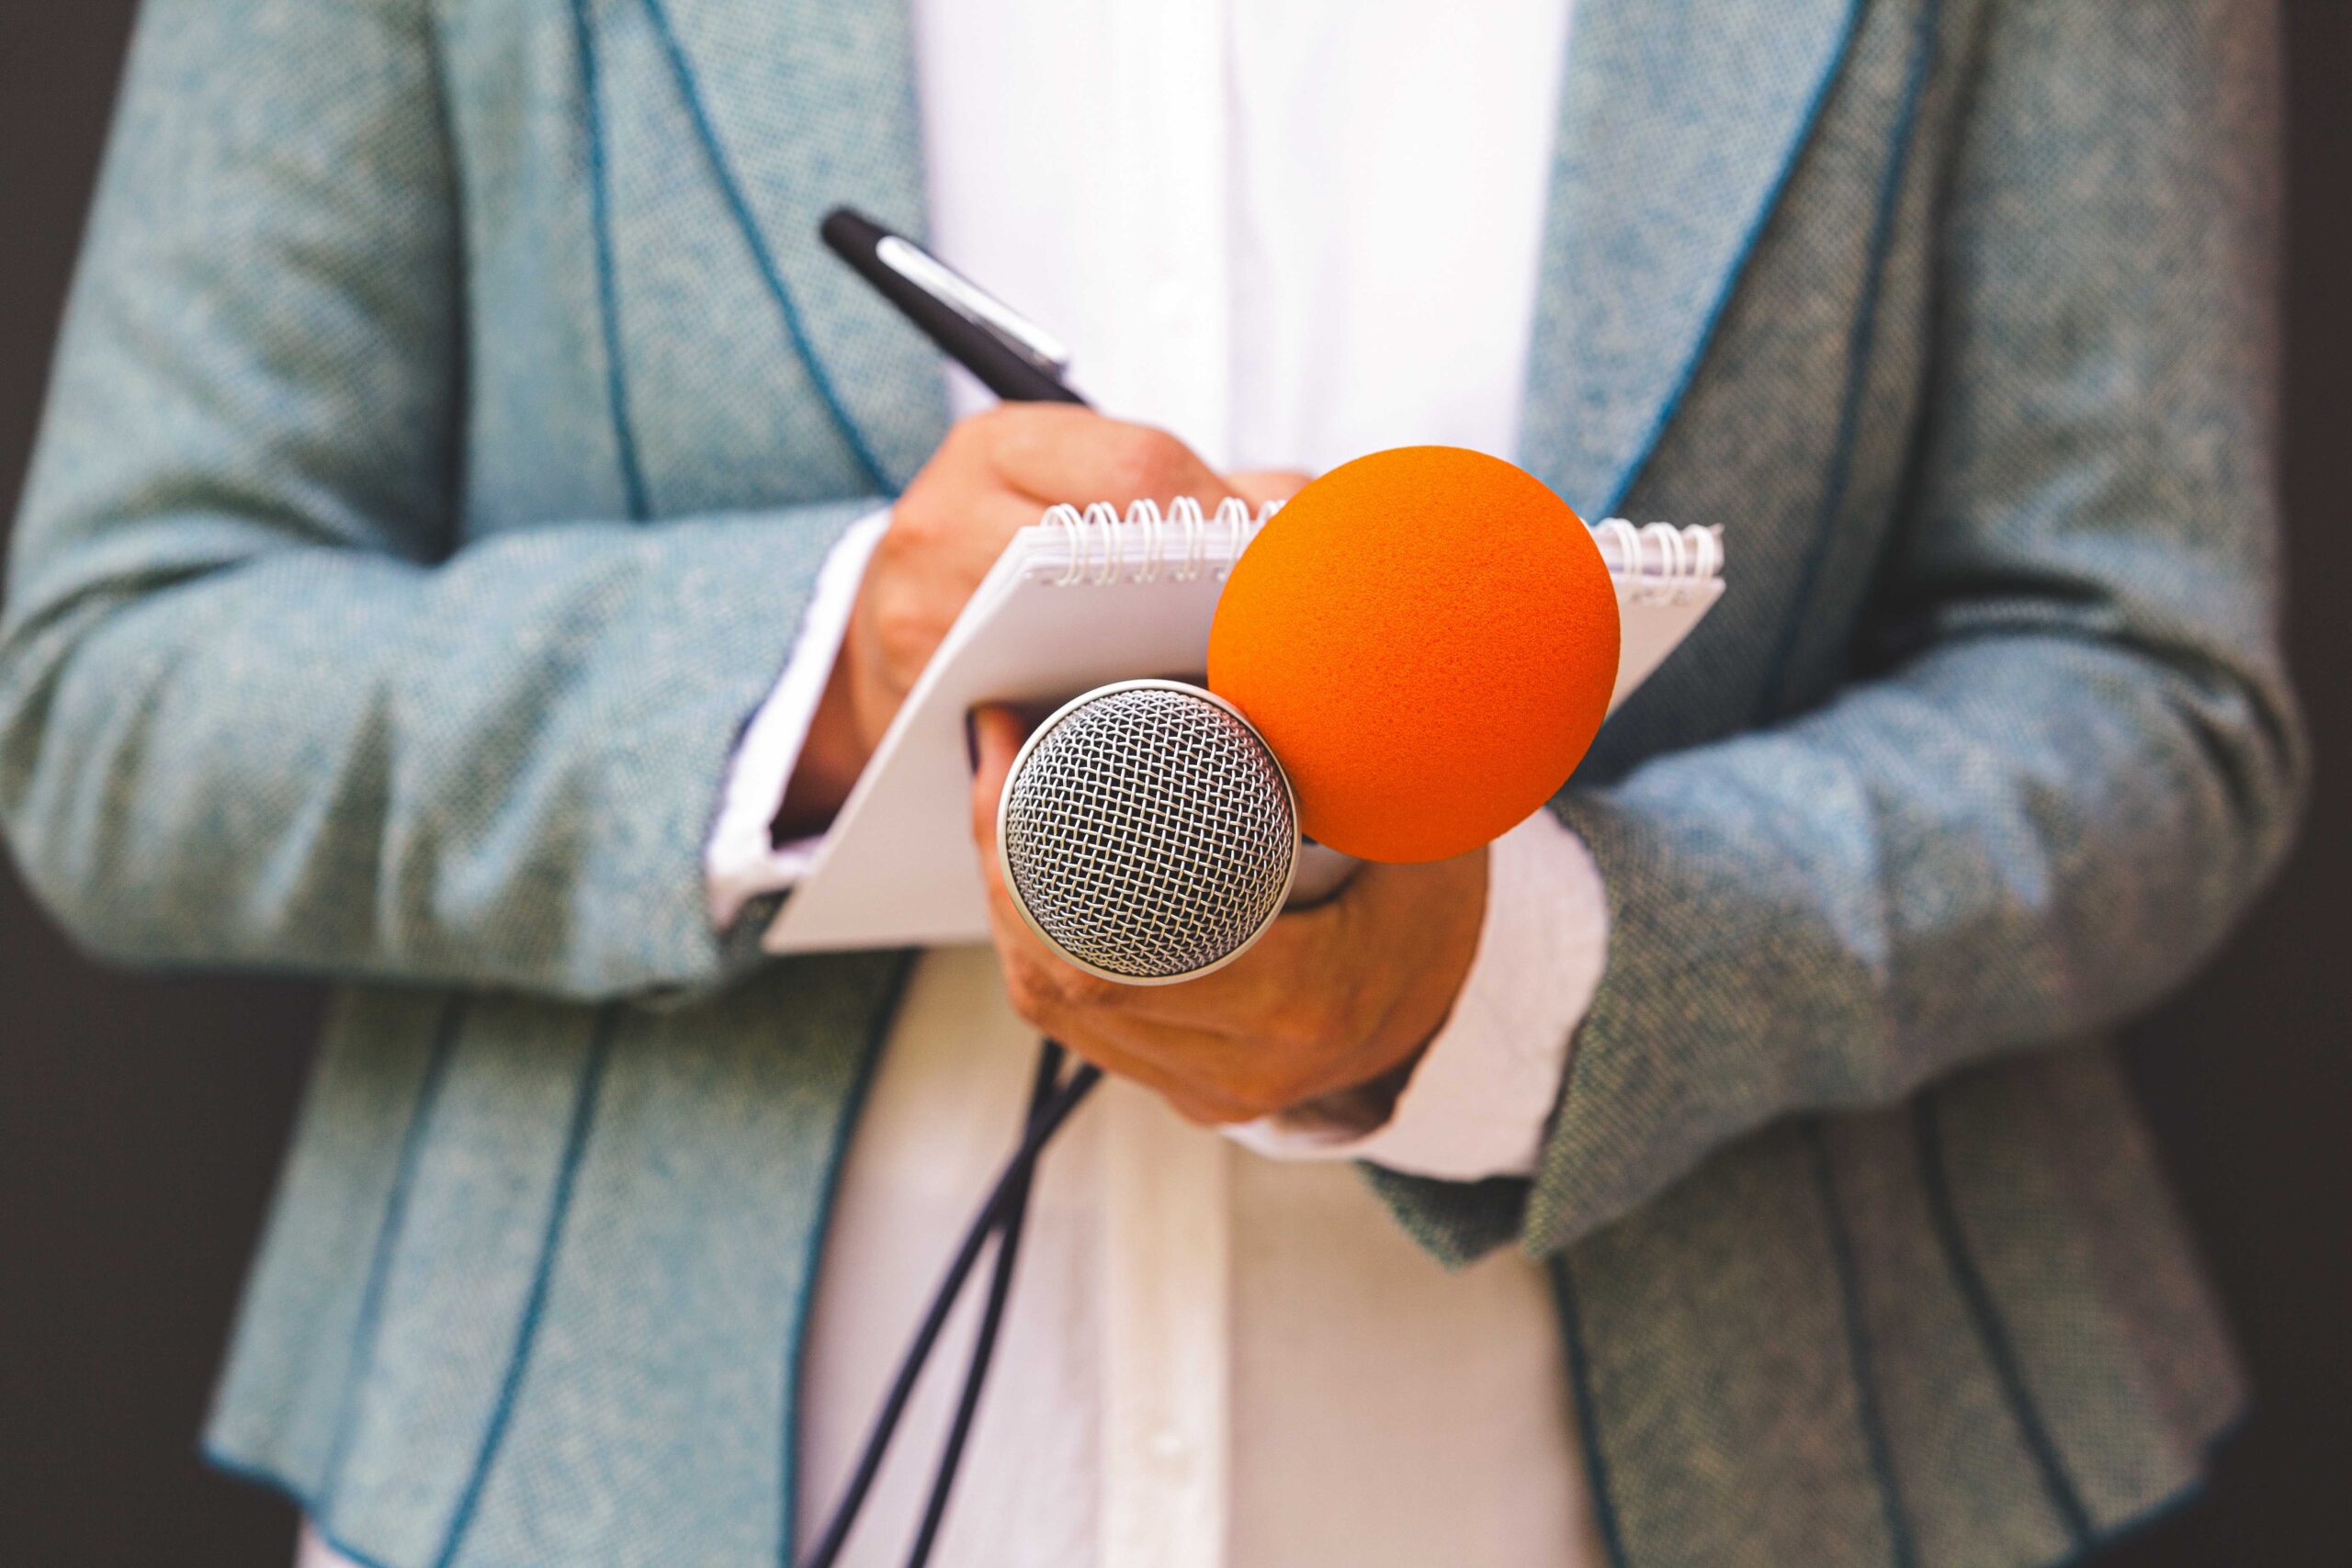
1147,834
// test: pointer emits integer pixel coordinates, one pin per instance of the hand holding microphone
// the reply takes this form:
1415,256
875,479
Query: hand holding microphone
1333,996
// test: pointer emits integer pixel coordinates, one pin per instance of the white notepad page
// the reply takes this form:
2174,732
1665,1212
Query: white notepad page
1074,603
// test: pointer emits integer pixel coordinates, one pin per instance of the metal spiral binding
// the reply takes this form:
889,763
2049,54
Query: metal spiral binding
1666,563
1100,541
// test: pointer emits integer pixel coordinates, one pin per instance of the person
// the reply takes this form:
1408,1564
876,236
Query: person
478,536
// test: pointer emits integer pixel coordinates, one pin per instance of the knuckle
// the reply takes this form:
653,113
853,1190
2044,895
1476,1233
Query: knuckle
1077,988
915,523
1005,447
1025,986
1144,460
974,433
989,434
904,630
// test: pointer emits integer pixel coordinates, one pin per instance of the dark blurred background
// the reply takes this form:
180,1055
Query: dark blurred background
140,1121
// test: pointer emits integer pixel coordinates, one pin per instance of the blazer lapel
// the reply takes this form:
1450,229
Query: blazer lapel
810,105
1679,125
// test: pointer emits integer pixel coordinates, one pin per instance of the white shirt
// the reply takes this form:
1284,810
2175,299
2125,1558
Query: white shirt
1290,231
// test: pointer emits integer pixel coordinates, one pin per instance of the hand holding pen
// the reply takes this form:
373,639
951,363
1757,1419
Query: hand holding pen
993,476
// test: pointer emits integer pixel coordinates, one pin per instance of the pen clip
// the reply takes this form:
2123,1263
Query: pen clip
975,304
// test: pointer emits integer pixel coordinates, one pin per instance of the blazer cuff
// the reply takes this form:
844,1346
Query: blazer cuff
1479,1099
741,860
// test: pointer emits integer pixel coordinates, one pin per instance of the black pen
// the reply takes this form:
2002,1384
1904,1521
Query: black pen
1010,356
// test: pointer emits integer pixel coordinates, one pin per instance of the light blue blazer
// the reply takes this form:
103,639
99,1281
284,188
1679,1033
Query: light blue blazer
455,408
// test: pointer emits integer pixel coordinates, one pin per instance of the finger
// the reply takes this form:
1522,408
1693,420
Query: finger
1301,1011
1091,458
1380,903
1207,1079
1210,1076
935,551
1258,486
997,733
947,539
1262,986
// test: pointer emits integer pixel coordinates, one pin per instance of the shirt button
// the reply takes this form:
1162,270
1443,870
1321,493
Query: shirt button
1168,1448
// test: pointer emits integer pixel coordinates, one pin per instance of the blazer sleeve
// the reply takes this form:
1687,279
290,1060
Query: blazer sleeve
253,708
2084,760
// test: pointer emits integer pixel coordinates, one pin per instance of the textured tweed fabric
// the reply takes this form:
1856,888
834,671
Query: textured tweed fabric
455,408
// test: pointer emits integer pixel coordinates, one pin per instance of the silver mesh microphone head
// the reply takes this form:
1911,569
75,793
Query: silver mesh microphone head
1146,833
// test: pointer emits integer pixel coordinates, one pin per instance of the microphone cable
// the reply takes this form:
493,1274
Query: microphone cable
1008,1248
1052,1097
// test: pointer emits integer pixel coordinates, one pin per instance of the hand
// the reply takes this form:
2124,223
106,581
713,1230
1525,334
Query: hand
1343,995
993,476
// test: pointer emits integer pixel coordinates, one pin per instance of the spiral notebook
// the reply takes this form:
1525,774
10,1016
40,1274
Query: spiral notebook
1081,599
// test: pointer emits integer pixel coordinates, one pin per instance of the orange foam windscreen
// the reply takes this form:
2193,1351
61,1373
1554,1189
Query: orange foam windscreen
1428,639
